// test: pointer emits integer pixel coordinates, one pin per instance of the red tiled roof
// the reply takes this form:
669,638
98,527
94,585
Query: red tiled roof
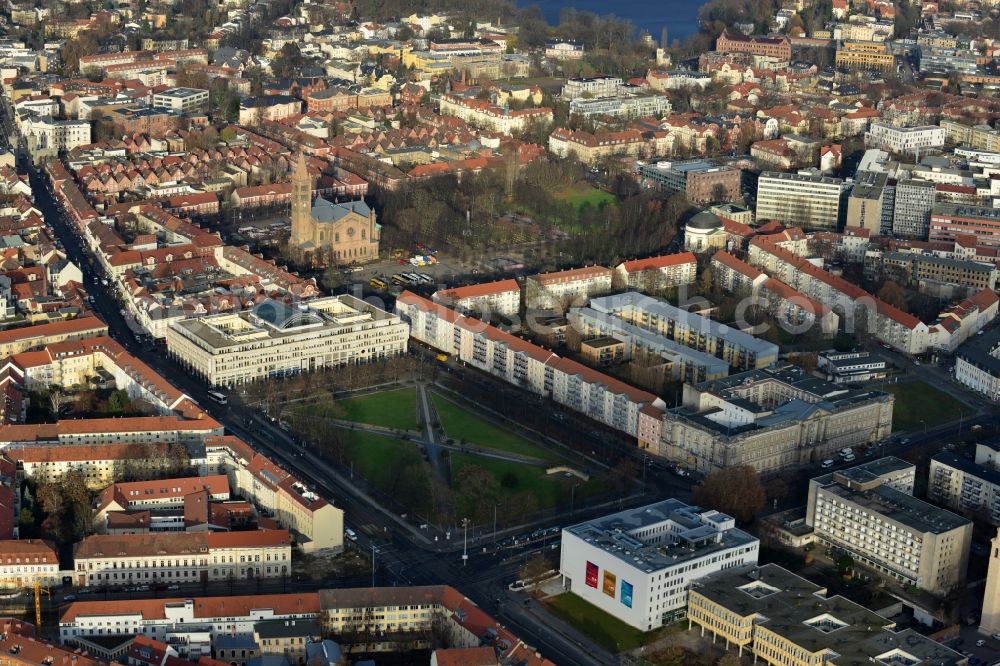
662,261
484,289
204,607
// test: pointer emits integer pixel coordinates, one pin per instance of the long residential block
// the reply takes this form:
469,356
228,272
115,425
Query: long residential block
741,350
519,362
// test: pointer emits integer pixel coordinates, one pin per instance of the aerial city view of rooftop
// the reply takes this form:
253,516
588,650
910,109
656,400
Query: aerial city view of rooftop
500,333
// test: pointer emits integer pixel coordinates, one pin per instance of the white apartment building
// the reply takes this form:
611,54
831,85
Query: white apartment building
905,140
804,200
275,339
638,564
595,86
166,619
657,273
520,362
25,562
559,290
485,115
977,364
182,557
502,297
621,106
869,512
181,99
968,485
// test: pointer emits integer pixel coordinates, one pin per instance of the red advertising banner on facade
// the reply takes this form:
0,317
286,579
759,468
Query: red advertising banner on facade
592,575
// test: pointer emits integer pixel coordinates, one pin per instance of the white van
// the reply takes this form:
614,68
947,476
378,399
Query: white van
349,533
827,464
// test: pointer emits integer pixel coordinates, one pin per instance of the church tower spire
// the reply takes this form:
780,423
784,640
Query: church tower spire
989,620
301,203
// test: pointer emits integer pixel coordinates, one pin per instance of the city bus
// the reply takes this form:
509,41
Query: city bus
218,397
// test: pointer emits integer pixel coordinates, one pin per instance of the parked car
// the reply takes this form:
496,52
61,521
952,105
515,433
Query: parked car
827,464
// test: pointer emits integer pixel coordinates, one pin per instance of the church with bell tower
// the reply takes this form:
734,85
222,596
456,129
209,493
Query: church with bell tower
347,231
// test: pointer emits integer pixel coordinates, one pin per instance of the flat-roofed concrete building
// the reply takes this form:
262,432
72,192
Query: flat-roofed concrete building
971,486
905,140
912,207
869,512
866,205
276,339
847,367
741,350
773,419
701,180
786,620
638,564
681,363
949,221
181,99
805,200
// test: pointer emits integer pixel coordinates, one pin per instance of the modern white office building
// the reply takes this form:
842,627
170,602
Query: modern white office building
905,140
869,512
638,564
181,99
275,339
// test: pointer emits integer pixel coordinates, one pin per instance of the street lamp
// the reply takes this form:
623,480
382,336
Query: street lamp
465,541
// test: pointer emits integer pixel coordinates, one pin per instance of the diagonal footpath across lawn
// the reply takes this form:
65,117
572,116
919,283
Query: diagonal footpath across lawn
460,424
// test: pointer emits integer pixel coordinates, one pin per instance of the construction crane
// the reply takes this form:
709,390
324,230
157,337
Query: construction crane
38,603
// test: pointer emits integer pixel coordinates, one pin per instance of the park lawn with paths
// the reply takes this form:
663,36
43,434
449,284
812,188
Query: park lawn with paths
396,409
460,424
918,402
380,460
603,628
581,194
548,489
375,456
